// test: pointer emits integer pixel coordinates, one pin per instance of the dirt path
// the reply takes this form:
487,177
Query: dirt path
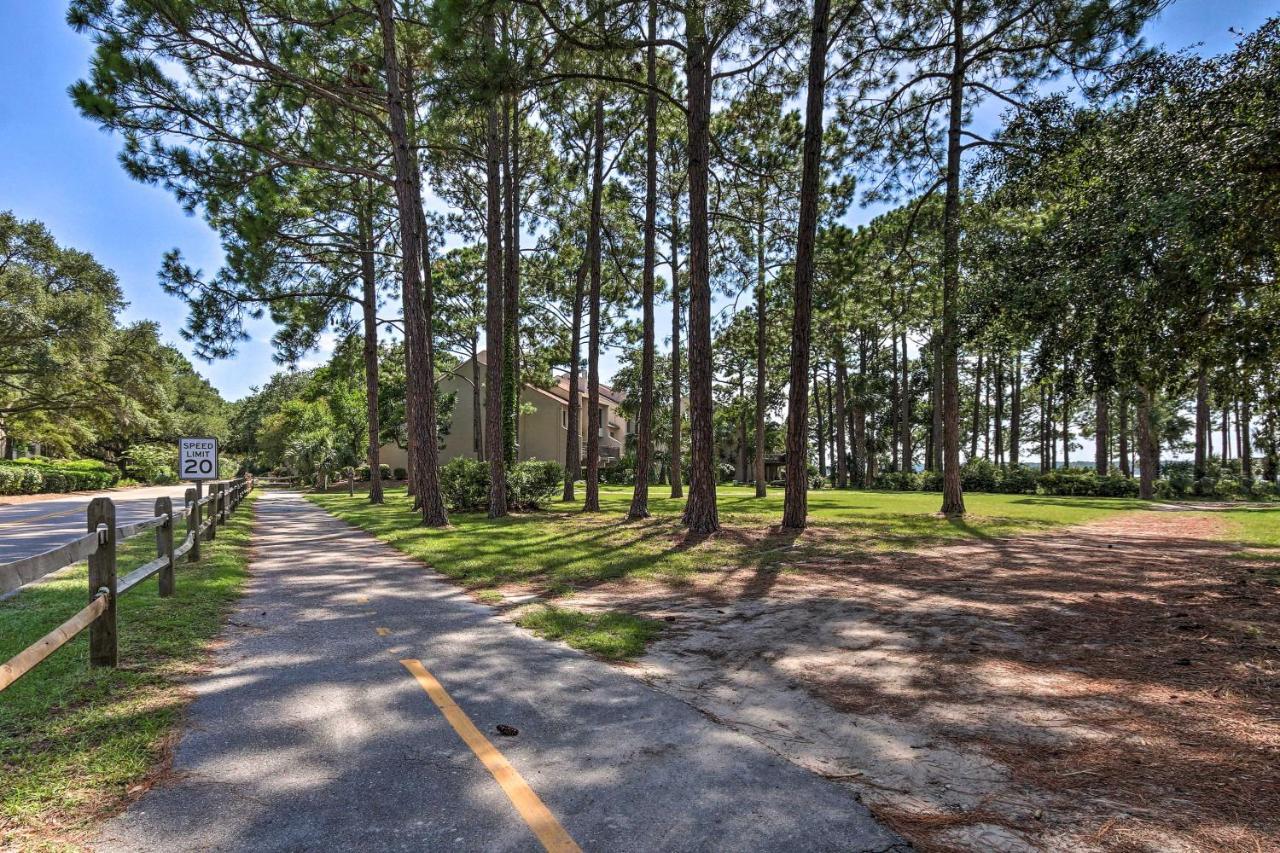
1114,686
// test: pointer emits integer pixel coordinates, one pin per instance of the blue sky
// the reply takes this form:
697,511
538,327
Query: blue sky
61,169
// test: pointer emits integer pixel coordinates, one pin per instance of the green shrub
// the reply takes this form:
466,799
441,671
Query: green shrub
532,484
399,473
816,480
464,484
1069,482
979,475
616,472
931,481
1226,488
1018,480
1262,490
897,481
1116,486
55,481
1085,483
38,475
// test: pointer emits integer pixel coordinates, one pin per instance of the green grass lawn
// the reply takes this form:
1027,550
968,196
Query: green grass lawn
1258,530
1255,527
561,547
74,740
610,635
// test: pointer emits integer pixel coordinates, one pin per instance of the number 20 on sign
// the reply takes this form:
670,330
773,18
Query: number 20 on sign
198,458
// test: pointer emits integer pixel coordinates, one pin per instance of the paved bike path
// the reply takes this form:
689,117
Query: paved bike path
310,734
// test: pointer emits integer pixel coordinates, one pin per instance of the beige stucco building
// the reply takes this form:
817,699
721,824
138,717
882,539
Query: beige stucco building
542,432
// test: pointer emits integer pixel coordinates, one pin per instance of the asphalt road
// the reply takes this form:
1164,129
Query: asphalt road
355,702
32,528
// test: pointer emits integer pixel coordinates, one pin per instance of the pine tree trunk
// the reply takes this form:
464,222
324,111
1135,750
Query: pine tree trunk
761,354
1226,434
644,430
858,414
935,446
1148,444
477,418
895,400
494,322
511,281
819,434
740,469
986,413
419,385
795,507
831,422
677,484
1044,428
1015,410
977,408
908,452
1246,440
952,494
1126,470
369,306
594,251
573,438
1066,431
1202,423
1102,429
998,440
842,412
1270,462
430,498
1239,432
700,512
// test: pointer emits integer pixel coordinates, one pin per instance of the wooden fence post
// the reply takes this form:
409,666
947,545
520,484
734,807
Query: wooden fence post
213,511
193,524
102,575
164,544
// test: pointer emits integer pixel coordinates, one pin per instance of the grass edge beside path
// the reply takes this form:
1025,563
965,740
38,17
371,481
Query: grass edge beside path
78,744
556,551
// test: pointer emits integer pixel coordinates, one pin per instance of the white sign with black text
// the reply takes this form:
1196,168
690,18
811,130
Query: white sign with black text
198,458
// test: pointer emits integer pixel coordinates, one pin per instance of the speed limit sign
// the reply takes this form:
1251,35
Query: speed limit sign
198,458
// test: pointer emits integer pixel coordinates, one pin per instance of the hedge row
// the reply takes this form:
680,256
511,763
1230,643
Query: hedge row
30,477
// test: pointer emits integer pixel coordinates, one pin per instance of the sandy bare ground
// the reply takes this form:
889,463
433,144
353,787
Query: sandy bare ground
1115,686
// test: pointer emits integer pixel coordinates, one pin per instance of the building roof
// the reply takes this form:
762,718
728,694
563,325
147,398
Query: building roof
560,390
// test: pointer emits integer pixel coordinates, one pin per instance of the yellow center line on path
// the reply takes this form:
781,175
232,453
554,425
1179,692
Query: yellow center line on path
527,803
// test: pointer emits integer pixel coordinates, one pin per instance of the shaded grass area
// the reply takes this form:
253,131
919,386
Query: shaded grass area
611,635
75,742
561,548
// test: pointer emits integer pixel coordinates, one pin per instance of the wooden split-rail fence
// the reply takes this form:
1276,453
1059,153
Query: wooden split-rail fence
99,545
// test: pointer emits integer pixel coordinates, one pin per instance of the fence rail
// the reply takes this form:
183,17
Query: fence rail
99,545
